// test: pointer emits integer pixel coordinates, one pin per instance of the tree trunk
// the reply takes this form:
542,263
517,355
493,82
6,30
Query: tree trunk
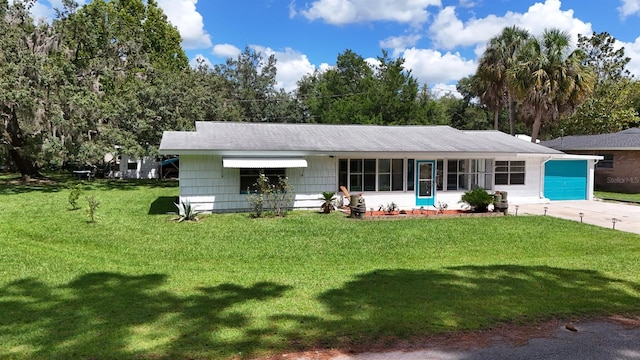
496,117
512,116
536,127
22,161
26,167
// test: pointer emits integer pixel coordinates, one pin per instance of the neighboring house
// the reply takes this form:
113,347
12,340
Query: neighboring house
126,167
619,170
412,166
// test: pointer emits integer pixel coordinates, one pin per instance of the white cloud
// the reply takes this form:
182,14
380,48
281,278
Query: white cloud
629,7
399,43
449,32
41,11
45,10
440,90
184,15
292,9
226,51
324,67
198,59
373,62
181,13
467,4
632,50
432,67
291,64
340,12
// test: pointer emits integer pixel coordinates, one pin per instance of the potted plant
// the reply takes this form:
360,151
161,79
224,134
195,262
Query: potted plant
478,199
327,197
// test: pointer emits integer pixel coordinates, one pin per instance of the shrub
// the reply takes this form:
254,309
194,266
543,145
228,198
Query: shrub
278,196
328,198
256,198
93,206
478,199
74,195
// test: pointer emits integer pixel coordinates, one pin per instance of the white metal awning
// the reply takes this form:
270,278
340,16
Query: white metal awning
264,163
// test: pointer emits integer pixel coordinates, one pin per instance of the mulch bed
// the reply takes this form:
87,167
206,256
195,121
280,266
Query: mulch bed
417,213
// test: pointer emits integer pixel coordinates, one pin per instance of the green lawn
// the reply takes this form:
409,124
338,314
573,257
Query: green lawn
632,198
137,285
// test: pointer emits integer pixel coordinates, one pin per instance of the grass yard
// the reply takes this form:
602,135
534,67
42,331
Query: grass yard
604,195
136,285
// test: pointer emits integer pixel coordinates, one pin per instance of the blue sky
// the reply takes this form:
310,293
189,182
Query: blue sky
440,40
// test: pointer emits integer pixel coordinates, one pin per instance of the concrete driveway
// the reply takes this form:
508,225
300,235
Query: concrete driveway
594,212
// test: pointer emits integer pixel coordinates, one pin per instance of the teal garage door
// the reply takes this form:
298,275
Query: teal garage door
565,180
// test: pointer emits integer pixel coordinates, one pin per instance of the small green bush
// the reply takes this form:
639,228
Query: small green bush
93,206
327,198
278,197
257,197
74,195
478,199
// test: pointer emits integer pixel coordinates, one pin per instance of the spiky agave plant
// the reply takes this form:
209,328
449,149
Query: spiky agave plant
186,212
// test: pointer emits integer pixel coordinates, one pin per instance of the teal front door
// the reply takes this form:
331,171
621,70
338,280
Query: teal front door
425,189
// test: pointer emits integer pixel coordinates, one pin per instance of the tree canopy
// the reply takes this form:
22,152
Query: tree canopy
111,76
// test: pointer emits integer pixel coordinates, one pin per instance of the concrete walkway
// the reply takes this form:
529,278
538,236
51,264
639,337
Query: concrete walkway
594,212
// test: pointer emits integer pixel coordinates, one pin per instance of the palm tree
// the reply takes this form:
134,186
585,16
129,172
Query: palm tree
549,80
493,83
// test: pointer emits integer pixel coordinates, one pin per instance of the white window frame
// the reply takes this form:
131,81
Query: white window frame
363,174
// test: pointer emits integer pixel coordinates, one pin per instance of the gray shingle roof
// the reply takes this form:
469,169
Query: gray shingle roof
624,140
311,138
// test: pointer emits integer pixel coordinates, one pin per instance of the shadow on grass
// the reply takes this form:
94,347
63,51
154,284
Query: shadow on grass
115,316
109,315
13,184
163,205
132,184
388,306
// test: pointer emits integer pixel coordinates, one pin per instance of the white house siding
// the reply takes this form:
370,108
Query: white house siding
145,168
320,175
210,187
531,192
